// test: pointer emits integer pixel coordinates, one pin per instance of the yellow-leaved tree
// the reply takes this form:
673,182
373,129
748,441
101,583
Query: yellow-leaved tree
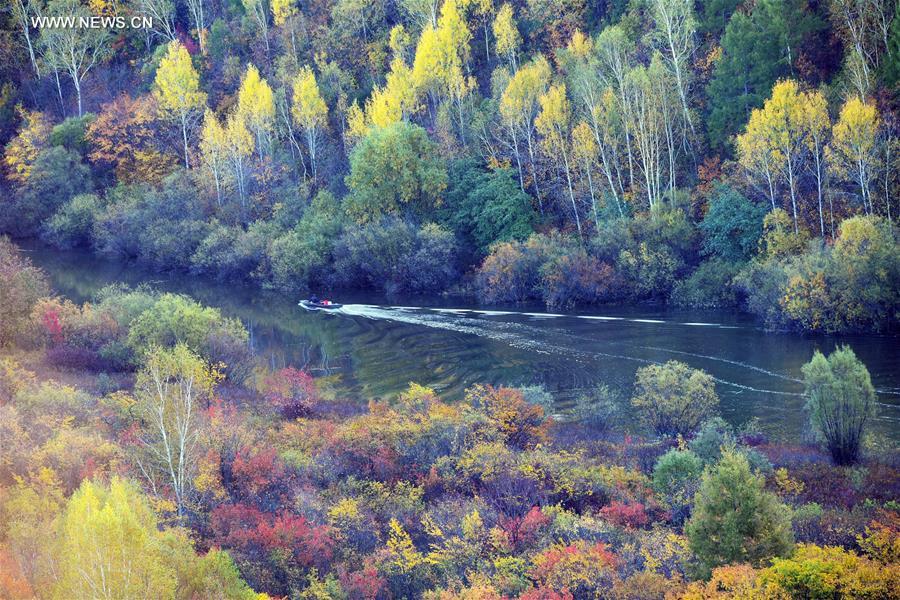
239,147
309,111
777,137
177,88
214,150
110,546
553,125
853,151
507,35
519,105
256,106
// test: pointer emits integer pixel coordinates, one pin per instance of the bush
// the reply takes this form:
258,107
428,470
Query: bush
598,409
553,268
735,520
840,402
301,257
394,256
676,478
21,286
57,175
73,222
710,286
174,319
830,572
673,399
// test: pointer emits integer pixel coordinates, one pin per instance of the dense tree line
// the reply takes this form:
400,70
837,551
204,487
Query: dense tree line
147,454
288,143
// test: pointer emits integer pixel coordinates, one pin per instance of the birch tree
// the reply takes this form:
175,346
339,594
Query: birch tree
256,105
853,152
73,50
310,112
170,392
553,123
674,34
177,88
213,150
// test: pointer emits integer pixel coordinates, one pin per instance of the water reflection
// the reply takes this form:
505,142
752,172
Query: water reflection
373,348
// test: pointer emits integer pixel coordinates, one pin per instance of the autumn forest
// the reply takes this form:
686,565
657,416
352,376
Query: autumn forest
739,156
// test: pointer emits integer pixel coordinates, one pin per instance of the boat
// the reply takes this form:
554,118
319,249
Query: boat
319,305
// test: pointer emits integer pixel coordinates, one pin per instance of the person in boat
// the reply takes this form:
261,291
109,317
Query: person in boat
314,299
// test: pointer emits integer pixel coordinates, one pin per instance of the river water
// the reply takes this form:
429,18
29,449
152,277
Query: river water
373,348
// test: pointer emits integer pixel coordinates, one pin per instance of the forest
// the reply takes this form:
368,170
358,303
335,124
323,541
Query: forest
741,155
725,154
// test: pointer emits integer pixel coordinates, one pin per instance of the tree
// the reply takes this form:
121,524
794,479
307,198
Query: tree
507,35
73,49
735,520
675,29
732,225
110,545
239,147
310,111
162,14
256,106
757,49
259,10
22,151
864,26
519,105
197,16
853,152
673,399
214,150
840,401
177,87
283,14
23,11
778,136
819,126
553,125
393,168
170,391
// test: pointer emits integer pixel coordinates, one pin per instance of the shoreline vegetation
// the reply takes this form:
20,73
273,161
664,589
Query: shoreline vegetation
737,155
140,426
731,153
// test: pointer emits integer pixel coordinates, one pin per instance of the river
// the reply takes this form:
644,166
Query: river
372,348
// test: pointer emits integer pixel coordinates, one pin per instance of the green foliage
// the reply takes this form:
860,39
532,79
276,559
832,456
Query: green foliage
841,400
21,286
174,319
599,408
394,256
735,520
73,223
676,478
485,207
301,257
709,286
732,225
395,169
673,399
757,49
70,134
56,176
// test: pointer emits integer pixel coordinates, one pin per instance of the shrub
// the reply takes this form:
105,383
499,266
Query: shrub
673,399
523,425
73,222
676,478
598,409
714,434
735,519
709,286
56,176
174,319
292,392
841,400
830,572
21,285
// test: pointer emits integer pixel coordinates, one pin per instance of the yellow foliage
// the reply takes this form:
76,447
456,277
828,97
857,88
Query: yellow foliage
177,84
22,150
506,33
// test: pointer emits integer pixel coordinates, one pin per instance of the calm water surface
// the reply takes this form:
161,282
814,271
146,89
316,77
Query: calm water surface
374,348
